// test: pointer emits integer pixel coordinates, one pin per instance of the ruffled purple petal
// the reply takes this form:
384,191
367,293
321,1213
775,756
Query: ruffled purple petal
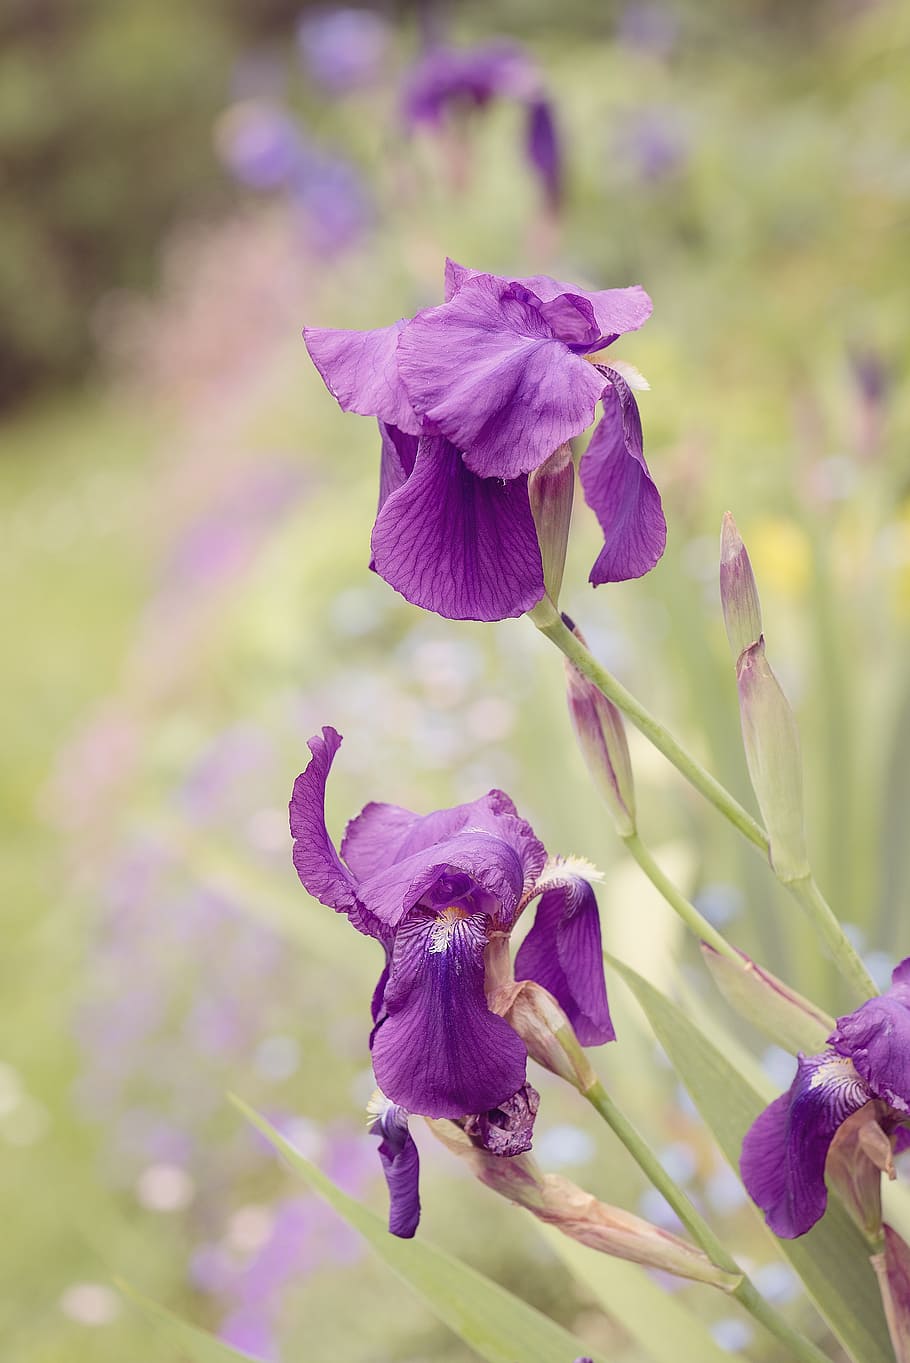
563,953
318,865
471,861
621,492
462,546
493,813
506,1130
371,839
877,1039
401,1166
784,1152
488,372
440,1051
360,370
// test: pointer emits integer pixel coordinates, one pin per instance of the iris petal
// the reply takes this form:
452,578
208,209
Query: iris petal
441,1052
784,1152
360,370
462,546
401,1167
621,492
563,953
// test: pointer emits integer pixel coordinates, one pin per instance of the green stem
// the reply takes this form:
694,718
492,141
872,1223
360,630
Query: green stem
832,934
550,624
745,1293
677,901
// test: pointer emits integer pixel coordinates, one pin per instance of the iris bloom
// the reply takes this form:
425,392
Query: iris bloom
784,1153
441,893
451,81
471,397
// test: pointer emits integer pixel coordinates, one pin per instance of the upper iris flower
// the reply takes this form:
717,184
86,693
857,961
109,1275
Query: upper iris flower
784,1153
474,395
442,892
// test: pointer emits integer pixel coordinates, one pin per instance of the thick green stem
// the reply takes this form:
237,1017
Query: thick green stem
693,920
832,934
550,624
745,1293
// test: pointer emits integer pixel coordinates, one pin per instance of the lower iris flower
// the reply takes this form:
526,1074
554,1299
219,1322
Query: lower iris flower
868,1067
441,893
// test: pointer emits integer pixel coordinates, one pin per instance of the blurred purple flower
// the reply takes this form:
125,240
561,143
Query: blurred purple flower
445,83
343,49
654,143
473,395
649,26
785,1150
440,893
260,143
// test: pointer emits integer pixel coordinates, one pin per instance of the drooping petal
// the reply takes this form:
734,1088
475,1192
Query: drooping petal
506,1130
360,370
489,374
440,1051
474,860
462,546
784,1152
563,953
620,491
401,1166
396,462
876,1037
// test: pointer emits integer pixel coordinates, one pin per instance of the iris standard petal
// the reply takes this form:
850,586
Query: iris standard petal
477,860
563,953
489,374
360,370
401,1167
620,490
441,1052
462,546
876,1037
371,839
784,1152
321,870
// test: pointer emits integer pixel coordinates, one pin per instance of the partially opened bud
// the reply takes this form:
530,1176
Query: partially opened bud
738,592
893,1271
551,489
601,737
769,1004
771,741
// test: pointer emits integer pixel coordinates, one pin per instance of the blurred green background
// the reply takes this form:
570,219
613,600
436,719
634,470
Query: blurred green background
186,518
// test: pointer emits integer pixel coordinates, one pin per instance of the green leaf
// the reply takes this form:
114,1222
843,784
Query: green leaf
195,1344
658,1321
833,1259
498,1326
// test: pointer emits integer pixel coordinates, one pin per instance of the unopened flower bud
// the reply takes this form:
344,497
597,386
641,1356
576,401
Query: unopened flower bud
534,1014
551,489
892,1269
771,741
769,1004
738,592
601,737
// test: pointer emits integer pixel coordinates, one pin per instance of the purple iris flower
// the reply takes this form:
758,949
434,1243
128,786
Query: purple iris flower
441,893
451,81
784,1152
471,397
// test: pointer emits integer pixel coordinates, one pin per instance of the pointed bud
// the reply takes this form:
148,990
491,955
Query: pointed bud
738,592
551,489
532,1012
858,1156
769,1004
892,1269
601,737
771,741
559,1203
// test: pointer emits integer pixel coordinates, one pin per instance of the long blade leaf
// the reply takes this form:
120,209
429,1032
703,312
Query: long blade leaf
500,1327
193,1343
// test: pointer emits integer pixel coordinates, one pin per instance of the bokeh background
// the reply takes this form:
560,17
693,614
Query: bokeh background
185,538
